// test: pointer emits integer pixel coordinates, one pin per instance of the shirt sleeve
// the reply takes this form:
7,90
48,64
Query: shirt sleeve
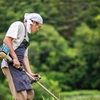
26,52
13,30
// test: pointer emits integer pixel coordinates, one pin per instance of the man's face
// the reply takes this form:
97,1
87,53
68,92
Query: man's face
35,27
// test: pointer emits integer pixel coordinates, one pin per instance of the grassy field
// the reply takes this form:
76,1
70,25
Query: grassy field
81,95
75,98
86,97
78,95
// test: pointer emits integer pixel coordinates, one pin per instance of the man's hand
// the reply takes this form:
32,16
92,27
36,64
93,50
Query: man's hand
36,77
16,63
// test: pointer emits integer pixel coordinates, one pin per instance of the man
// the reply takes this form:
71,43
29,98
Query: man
17,40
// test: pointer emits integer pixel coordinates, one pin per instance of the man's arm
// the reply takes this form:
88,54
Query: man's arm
27,66
8,41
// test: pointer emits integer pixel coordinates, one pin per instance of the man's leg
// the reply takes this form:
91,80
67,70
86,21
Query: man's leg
30,94
17,95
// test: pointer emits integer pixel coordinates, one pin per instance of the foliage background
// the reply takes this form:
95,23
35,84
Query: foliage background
66,50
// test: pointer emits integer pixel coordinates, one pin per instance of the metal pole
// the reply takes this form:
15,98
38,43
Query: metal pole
42,86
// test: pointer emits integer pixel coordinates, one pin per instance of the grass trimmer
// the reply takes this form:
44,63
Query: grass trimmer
4,54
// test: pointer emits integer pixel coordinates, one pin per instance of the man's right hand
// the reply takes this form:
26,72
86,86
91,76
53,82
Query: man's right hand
16,63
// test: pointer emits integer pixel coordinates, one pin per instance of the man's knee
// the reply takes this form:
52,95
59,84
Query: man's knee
30,95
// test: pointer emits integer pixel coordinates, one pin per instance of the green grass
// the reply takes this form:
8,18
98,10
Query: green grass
75,98
77,95
80,92
81,95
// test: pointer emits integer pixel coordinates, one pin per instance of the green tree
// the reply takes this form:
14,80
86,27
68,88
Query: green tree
73,63
85,59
